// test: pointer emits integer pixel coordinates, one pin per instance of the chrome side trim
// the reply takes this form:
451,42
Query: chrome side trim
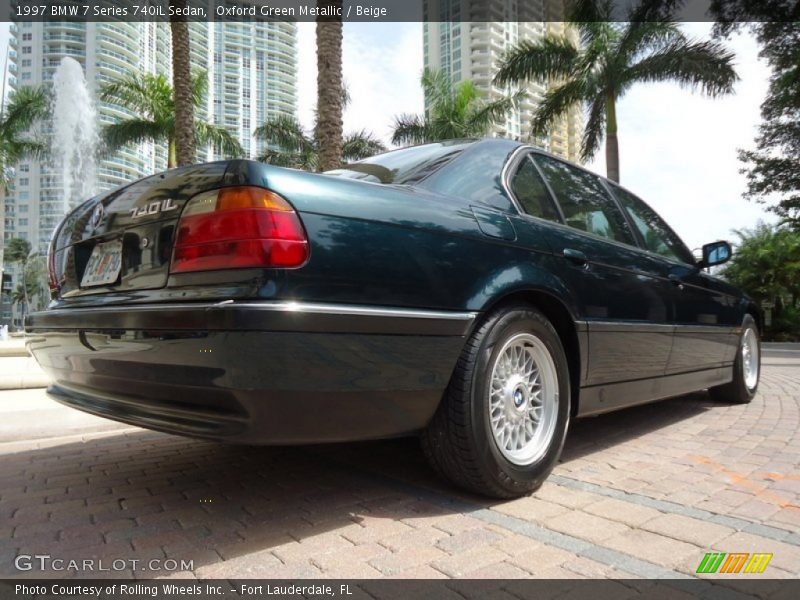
622,326
288,307
677,328
345,309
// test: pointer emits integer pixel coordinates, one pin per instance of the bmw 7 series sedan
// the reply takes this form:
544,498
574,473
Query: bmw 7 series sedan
477,293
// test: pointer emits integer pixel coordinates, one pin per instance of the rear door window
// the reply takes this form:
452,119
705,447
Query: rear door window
531,192
585,203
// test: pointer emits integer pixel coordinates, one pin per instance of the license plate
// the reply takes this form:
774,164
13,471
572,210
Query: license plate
104,265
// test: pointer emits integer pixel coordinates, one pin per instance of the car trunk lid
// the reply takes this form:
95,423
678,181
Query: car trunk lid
122,241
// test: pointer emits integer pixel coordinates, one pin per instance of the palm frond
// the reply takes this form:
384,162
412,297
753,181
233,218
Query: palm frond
538,61
145,95
708,65
591,11
280,159
647,32
18,149
464,96
557,102
594,128
437,86
345,95
306,161
482,119
199,87
25,106
286,133
18,250
223,141
133,131
411,129
361,144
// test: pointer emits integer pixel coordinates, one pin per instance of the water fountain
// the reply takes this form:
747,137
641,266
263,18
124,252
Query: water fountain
75,137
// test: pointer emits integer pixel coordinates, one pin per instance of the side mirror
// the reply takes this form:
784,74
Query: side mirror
716,253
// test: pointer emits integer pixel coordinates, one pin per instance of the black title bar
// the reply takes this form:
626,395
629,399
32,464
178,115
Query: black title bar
391,10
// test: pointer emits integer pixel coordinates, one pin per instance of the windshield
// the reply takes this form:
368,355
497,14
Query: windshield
405,166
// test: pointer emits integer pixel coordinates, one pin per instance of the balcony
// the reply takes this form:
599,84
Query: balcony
64,51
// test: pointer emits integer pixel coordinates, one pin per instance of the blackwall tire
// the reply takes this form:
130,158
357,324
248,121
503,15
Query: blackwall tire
746,368
500,428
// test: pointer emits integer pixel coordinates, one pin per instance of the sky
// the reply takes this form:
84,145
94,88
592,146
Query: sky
677,148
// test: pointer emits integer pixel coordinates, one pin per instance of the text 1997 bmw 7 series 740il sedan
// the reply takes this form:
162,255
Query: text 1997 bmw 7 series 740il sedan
478,293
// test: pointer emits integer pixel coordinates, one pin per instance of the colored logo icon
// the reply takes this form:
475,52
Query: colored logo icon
741,562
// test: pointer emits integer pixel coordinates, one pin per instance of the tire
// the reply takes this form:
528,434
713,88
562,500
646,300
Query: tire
740,390
461,443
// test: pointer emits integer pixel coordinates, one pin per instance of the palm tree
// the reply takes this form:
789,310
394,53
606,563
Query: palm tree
19,251
301,150
329,86
610,58
152,100
454,112
21,294
182,82
25,107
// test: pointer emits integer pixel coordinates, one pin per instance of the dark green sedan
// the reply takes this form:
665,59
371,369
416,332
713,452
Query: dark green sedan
479,294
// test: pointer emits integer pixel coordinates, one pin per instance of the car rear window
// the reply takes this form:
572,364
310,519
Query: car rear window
405,166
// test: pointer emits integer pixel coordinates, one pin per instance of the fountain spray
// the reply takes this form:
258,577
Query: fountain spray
75,138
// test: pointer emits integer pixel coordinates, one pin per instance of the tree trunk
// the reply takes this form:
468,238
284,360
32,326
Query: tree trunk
24,289
182,86
612,144
172,157
329,85
2,231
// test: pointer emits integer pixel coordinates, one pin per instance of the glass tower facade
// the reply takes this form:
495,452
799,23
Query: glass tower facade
472,50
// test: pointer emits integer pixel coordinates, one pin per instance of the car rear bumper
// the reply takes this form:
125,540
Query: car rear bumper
252,372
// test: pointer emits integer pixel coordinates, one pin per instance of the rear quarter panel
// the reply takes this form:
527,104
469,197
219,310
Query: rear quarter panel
404,246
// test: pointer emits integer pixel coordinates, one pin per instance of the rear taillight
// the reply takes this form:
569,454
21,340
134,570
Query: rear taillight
238,227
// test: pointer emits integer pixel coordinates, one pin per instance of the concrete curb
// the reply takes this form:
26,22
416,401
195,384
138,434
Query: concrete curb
13,352
23,382
13,347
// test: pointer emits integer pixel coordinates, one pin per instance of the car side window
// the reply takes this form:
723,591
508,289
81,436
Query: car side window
531,192
585,203
657,235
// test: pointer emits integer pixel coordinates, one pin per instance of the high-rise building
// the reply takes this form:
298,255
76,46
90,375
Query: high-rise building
253,71
252,75
468,45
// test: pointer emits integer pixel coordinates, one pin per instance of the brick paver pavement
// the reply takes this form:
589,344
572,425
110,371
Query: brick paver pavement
639,493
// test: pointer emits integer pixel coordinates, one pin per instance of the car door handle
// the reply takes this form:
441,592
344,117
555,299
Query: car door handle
676,281
575,256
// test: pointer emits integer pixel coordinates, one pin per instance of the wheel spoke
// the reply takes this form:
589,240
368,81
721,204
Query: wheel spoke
522,398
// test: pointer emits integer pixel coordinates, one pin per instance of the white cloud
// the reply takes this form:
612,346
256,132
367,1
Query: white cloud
678,148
